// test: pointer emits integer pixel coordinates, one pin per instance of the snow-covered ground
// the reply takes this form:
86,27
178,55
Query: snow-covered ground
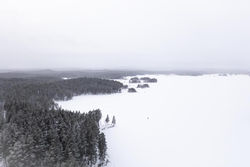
181,121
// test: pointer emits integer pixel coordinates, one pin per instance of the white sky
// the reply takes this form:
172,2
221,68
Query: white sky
138,34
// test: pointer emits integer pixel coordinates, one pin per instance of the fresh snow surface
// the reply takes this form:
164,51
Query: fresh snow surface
181,121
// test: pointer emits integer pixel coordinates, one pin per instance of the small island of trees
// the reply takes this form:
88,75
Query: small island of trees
142,86
148,80
134,80
131,90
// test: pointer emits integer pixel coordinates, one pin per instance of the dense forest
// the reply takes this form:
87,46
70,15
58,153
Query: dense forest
49,89
35,132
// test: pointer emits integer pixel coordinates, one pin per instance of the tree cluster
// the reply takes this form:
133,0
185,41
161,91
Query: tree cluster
35,132
34,137
46,92
148,80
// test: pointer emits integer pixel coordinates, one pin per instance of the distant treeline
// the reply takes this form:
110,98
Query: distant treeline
43,90
35,132
105,74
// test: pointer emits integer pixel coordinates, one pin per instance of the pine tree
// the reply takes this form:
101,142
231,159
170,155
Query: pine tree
102,147
18,154
113,121
107,119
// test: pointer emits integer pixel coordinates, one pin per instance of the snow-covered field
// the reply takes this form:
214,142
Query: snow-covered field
181,121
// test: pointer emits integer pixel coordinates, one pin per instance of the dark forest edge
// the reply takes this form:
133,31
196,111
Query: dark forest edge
108,74
35,132
58,74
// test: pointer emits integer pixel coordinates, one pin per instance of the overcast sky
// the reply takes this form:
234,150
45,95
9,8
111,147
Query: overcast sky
137,34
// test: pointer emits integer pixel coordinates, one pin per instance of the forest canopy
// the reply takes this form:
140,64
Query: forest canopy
35,132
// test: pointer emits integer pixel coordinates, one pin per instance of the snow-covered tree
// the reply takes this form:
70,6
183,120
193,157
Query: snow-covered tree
113,120
102,147
107,119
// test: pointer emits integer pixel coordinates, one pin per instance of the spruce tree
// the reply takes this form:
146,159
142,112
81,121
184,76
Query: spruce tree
107,119
114,121
102,147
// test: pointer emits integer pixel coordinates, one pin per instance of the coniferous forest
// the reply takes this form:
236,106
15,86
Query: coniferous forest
35,132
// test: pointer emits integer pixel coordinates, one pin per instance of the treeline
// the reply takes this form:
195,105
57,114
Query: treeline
45,91
35,132
105,74
7,84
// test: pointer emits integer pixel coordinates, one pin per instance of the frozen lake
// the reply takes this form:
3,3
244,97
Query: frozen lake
181,121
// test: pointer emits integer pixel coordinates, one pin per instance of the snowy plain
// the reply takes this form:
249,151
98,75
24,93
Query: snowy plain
179,121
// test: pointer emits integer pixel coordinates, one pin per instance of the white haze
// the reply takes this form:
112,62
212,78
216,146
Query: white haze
179,121
137,34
